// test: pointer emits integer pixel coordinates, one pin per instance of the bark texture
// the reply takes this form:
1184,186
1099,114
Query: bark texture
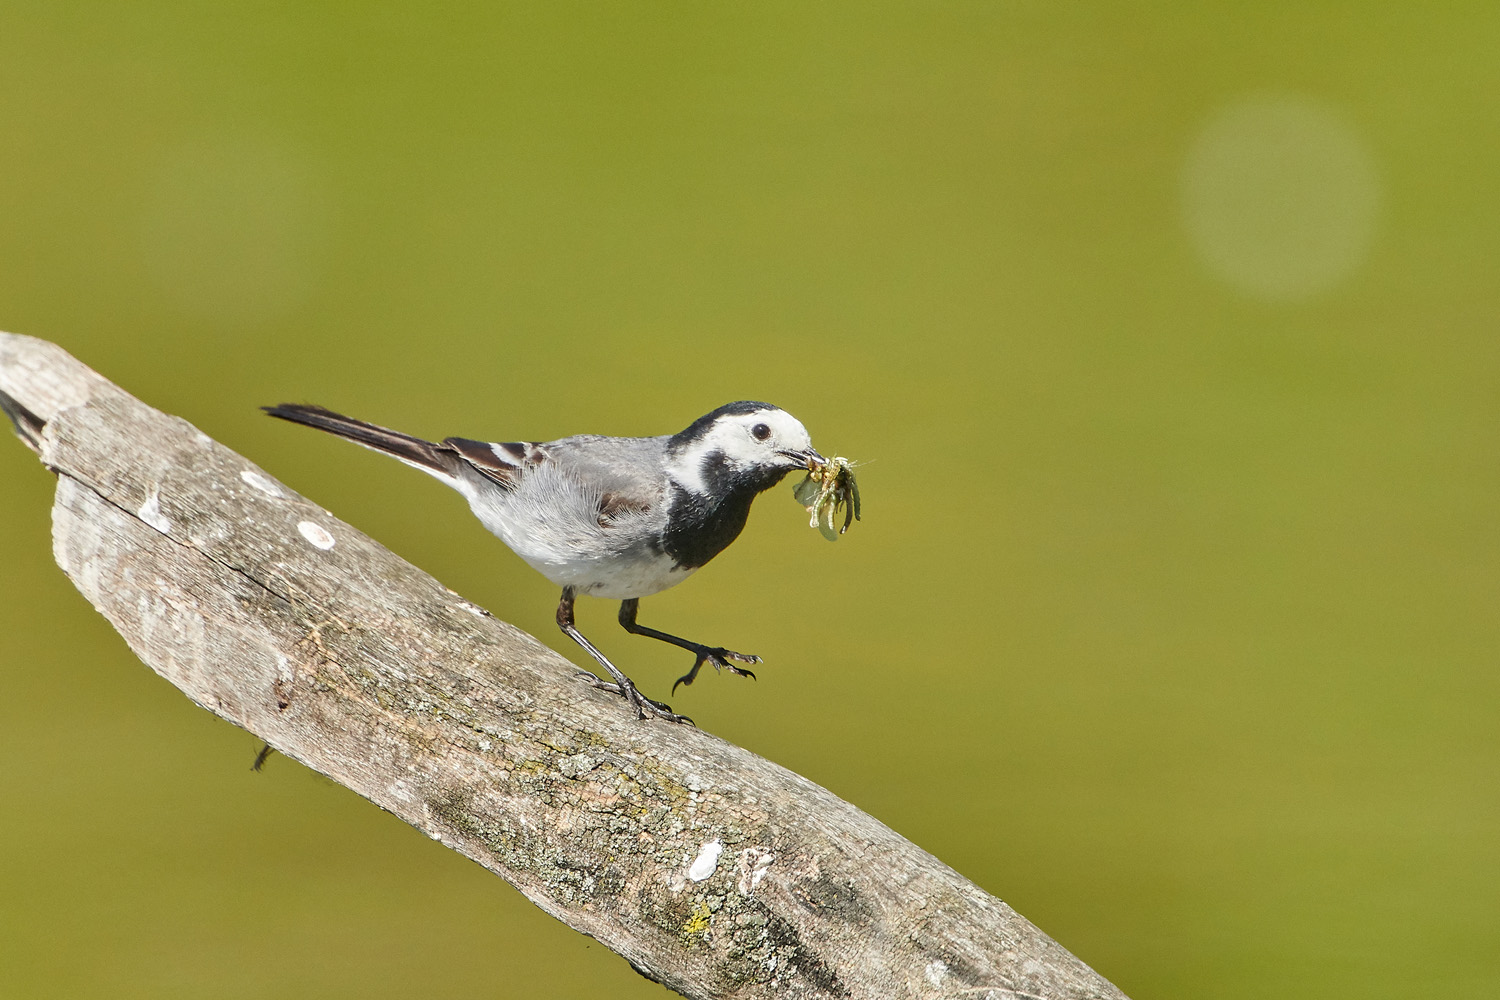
711,870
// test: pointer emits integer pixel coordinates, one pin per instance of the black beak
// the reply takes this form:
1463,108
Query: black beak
808,459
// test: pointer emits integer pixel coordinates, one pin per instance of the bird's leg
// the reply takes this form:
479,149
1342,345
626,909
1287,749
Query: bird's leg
717,655
622,685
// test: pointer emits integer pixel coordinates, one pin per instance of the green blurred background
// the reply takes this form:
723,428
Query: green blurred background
1168,336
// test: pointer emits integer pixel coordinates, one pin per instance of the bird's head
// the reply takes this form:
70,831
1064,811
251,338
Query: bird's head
744,446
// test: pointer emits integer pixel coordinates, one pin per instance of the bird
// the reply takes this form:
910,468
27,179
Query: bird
619,518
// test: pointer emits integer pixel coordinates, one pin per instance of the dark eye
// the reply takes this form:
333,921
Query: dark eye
761,432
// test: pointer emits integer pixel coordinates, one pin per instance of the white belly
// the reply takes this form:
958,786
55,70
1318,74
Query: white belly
616,579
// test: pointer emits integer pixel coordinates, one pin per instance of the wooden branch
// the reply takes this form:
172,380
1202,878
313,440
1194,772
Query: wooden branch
711,870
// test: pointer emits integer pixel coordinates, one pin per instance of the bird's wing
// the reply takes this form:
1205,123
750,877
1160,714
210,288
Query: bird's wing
619,477
624,473
504,463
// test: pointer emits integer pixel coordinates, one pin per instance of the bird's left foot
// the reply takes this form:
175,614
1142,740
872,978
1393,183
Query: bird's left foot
720,658
644,707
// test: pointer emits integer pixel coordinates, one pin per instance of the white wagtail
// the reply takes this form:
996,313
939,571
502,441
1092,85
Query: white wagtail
613,517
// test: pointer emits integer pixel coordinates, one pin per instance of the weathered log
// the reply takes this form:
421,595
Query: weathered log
711,870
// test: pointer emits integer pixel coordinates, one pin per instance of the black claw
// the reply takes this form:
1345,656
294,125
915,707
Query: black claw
660,710
717,655
720,659
645,708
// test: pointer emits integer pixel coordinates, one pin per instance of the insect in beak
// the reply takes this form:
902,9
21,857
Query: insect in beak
828,488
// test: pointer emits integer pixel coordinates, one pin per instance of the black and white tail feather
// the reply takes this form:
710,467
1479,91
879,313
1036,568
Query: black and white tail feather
612,517
440,460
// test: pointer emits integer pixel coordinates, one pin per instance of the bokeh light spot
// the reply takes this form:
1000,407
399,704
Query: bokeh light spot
1280,197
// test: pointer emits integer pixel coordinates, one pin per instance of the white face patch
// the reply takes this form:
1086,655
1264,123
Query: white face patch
734,436
316,534
737,438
